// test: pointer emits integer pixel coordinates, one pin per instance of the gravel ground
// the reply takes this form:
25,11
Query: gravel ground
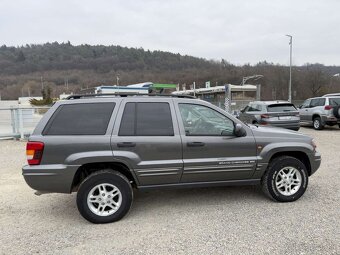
223,220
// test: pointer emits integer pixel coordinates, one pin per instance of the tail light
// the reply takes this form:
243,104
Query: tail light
264,116
34,152
328,107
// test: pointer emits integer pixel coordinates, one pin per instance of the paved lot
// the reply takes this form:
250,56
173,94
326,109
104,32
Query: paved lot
224,220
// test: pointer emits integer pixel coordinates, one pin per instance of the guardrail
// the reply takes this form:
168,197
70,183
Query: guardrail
19,122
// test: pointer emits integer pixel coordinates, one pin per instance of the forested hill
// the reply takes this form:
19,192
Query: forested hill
65,56
68,68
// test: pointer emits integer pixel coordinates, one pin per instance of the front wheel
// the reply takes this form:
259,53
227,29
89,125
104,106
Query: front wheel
286,179
104,196
317,123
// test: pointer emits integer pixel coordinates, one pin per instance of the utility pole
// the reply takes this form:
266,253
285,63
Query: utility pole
194,89
290,68
42,83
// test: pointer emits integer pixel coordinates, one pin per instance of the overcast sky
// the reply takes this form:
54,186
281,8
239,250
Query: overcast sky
238,31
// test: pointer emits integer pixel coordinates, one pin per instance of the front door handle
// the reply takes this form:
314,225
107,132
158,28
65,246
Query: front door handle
126,144
195,144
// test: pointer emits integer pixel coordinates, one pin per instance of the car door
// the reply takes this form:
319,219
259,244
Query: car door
211,151
147,138
304,111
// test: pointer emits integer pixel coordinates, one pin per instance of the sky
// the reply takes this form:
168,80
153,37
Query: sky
245,31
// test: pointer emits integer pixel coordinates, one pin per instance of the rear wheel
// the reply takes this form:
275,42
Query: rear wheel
317,123
104,196
286,179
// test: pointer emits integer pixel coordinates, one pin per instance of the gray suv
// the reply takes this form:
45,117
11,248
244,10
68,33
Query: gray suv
104,146
321,111
274,113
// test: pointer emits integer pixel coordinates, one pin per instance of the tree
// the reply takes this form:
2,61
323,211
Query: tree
21,57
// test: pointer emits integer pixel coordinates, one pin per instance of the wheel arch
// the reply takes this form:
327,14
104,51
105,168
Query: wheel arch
315,115
86,169
300,155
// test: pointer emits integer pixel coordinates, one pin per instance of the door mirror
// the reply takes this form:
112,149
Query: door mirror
299,106
239,130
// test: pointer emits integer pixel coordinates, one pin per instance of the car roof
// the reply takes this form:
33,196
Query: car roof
332,95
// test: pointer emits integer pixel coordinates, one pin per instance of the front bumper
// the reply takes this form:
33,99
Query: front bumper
315,162
50,178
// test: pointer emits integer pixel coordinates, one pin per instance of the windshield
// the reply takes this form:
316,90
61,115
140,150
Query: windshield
281,108
334,101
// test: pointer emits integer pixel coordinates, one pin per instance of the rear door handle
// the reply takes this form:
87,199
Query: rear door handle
126,144
195,144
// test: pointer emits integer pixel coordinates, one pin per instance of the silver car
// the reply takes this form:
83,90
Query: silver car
321,111
275,113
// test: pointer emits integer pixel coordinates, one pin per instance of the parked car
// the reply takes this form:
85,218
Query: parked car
275,113
104,146
320,111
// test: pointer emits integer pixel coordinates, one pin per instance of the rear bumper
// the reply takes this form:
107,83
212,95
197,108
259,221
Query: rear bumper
329,120
289,125
315,161
50,178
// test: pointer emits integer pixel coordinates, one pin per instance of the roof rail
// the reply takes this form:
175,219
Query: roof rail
79,96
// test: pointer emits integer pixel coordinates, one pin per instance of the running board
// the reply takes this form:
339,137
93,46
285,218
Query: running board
202,184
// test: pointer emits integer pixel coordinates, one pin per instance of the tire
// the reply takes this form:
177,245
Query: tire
112,204
273,184
336,111
317,123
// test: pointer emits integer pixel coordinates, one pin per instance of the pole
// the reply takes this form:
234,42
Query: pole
290,68
194,88
258,92
42,83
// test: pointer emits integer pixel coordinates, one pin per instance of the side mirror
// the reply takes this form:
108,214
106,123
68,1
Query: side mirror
299,106
239,130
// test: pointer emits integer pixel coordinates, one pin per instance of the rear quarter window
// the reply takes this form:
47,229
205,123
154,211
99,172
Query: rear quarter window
334,101
80,119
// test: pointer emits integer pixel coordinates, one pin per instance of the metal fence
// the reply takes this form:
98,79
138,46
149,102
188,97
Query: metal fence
19,122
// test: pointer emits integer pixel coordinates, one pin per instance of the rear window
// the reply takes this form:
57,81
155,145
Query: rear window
281,108
334,101
146,119
80,119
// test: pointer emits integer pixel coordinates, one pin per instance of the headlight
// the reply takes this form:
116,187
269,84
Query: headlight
314,144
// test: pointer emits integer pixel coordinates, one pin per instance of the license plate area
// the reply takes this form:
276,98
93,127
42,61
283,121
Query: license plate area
285,117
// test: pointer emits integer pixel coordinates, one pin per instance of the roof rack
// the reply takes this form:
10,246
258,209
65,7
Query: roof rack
79,96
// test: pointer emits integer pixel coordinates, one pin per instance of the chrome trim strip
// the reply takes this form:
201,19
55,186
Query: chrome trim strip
148,170
156,174
218,167
217,171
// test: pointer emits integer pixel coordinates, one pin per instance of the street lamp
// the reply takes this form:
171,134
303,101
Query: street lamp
334,75
290,69
256,76
258,86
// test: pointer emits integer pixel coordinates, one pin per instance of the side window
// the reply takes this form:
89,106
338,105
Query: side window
199,120
246,109
127,125
317,102
254,108
146,119
322,101
80,119
306,104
